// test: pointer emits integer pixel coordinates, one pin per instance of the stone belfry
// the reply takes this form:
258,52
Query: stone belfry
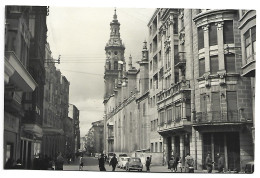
114,59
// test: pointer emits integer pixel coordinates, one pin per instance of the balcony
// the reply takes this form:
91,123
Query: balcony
232,116
180,59
17,74
249,68
173,90
179,124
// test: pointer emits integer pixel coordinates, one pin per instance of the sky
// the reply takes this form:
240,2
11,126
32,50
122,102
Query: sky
79,35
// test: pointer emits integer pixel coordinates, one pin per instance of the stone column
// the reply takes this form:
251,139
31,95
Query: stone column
206,48
182,149
199,146
173,145
221,57
163,54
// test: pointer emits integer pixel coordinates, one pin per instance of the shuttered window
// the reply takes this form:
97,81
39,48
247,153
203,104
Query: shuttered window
200,38
213,38
232,106
230,63
201,66
228,32
213,64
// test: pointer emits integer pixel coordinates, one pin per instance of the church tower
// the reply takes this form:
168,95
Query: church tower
115,60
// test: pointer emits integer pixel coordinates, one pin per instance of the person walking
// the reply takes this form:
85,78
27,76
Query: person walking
113,162
59,162
175,164
101,163
171,164
180,164
81,163
221,163
209,163
189,163
147,164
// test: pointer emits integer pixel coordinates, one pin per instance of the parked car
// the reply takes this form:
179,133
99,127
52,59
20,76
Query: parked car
122,155
122,161
134,164
97,155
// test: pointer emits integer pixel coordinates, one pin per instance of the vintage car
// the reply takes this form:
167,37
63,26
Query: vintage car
134,163
122,161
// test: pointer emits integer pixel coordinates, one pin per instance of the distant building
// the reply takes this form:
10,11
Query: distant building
95,138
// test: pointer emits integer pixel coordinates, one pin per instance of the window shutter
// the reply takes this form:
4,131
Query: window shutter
228,32
200,38
213,64
213,38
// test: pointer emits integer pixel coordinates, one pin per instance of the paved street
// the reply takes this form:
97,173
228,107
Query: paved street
91,164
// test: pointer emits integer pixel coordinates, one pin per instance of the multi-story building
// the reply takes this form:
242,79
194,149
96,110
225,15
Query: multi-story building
203,102
17,79
126,120
248,46
74,114
97,136
53,140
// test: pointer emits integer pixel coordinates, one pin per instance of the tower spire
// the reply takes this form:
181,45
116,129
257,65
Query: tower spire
115,16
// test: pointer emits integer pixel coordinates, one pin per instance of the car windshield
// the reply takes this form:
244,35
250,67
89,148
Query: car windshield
110,154
122,155
136,160
125,159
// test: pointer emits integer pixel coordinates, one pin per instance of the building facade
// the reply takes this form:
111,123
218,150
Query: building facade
95,138
203,102
17,79
74,114
126,119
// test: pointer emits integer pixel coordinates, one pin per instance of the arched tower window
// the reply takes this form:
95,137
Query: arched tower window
115,65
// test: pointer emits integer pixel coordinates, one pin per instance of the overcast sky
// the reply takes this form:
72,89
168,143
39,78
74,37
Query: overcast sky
79,35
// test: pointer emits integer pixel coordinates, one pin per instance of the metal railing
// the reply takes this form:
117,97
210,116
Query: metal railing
217,116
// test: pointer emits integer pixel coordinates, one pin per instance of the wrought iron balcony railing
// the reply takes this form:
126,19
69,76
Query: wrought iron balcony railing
218,116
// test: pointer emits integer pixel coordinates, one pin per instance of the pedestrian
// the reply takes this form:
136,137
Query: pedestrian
59,162
221,163
81,164
180,164
209,163
175,164
147,164
171,164
101,163
113,162
18,164
189,163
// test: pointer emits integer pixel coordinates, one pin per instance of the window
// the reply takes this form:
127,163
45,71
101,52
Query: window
228,32
213,64
254,39
248,44
115,65
169,116
213,37
156,147
177,113
161,148
201,66
232,106
230,63
215,105
151,147
175,26
176,51
203,103
162,118
200,38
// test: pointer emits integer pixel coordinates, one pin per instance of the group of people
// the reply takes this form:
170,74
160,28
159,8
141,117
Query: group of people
175,162
209,163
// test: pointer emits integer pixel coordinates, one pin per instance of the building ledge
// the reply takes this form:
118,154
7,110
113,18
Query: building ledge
33,129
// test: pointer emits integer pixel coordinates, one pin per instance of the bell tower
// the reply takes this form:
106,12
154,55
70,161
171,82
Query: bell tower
115,60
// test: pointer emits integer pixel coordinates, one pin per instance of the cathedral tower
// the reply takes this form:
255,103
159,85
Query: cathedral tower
114,58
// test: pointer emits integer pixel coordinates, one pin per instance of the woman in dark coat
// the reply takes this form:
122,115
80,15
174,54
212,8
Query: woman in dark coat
101,163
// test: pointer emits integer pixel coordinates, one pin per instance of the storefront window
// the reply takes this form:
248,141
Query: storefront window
37,149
